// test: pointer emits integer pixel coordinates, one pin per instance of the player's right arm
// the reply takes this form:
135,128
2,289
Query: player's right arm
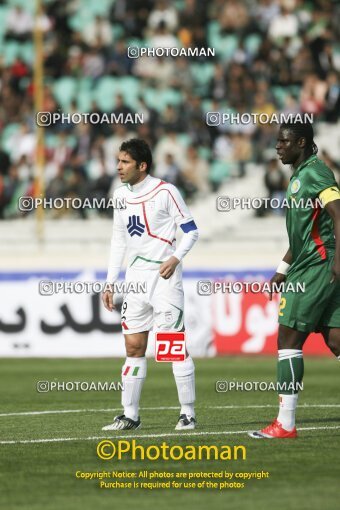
331,201
280,275
117,253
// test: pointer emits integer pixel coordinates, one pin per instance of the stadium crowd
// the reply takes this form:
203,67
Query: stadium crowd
270,56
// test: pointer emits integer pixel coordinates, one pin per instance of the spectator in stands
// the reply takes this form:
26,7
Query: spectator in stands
3,197
54,59
5,162
193,111
93,63
168,170
98,129
242,152
57,187
44,21
24,169
150,115
170,144
18,71
74,62
100,189
98,34
195,171
194,13
199,40
19,24
301,66
223,149
15,188
263,105
61,153
183,78
163,38
291,106
59,11
264,11
218,83
156,71
234,17
147,133
164,13
313,94
275,182
170,119
284,24
119,64
332,99
131,15
23,144
78,186
326,62
121,108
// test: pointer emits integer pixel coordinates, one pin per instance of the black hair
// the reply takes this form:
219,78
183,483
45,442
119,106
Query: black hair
139,150
302,129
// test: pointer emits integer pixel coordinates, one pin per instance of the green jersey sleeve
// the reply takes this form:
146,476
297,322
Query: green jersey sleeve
318,178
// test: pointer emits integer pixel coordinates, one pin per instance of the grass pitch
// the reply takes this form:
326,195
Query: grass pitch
37,474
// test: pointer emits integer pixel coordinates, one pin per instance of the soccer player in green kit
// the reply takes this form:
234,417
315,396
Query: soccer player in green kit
313,257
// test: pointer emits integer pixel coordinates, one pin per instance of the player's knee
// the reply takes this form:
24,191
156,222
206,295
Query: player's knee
290,339
136,344
135,350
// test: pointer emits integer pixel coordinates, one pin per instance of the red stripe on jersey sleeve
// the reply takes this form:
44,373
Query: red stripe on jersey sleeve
316,235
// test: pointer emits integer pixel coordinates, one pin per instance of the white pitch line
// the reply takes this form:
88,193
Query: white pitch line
301,406
149,436
70,411
66,411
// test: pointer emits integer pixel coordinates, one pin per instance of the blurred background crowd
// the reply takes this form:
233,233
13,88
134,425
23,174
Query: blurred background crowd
270,56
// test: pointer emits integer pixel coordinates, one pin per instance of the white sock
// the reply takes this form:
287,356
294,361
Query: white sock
184,373
287,408
133,377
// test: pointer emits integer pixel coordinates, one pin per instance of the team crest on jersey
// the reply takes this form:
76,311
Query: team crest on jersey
296,185
135,227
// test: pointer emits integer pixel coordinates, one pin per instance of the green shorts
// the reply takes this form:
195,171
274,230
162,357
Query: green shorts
318,306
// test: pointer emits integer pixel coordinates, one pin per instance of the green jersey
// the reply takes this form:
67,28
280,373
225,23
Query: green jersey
309,226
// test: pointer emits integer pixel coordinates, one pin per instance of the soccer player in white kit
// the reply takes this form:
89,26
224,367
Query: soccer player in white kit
146,230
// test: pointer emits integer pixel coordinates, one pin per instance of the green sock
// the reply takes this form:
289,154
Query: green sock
289,371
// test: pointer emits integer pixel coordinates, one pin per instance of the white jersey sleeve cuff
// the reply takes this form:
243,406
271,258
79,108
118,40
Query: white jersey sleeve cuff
187,242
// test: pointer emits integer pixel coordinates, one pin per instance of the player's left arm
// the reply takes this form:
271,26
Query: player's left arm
330,199
179,211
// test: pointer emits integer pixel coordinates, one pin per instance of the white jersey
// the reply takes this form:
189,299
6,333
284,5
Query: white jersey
146,228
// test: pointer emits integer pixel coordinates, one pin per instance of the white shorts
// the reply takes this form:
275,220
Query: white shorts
161,306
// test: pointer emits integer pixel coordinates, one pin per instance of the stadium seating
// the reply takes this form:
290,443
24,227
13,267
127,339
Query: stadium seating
219,171
84,93
65,90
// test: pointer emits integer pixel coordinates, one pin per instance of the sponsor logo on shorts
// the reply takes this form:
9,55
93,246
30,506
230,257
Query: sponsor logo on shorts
170,346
